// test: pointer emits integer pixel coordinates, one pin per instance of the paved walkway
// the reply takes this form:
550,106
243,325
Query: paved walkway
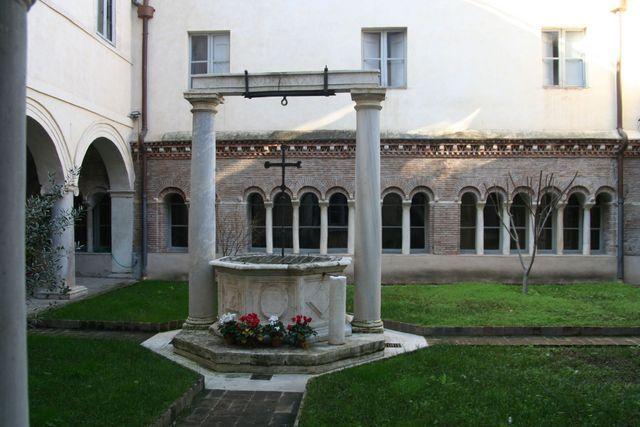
544,341
243,408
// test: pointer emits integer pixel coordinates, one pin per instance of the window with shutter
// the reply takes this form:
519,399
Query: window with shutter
210,54
563,58
385,51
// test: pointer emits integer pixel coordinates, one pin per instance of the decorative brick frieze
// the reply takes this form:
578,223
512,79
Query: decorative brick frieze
426,148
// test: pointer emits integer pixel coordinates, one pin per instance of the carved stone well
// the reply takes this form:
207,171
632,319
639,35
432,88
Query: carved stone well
272,285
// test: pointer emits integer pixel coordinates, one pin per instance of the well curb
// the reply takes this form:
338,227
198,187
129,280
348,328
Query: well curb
98,325
493,331
170,416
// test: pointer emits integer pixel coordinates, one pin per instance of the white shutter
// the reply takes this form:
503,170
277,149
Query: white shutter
371,51
220,54
395,59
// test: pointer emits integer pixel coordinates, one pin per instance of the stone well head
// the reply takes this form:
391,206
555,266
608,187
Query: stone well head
273,285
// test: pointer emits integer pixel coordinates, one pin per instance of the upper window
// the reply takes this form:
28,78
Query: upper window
338,222
385,51
563,58
209,54
257,218
105,19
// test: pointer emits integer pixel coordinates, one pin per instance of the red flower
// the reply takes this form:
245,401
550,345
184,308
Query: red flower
289,327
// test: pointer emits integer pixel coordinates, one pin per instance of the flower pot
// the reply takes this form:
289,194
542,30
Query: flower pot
229,340
276,341
303,344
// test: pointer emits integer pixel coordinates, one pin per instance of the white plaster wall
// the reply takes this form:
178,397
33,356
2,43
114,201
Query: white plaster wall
77,82
473,65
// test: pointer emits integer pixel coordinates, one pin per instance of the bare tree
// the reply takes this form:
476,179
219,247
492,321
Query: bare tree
547,198
233,233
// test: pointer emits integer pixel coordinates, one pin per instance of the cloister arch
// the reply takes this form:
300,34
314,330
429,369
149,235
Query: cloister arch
104,160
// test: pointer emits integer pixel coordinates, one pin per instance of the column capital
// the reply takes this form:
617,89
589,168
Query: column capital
351,203
560,206
480,204
203,101
72,188
406,203
268,205
588,206
121,193
323,203
295,203
368,98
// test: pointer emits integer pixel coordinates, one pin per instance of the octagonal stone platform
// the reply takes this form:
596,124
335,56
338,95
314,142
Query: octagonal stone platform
211,352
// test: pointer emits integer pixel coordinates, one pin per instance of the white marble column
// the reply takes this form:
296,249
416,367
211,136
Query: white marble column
480,227
504,231
351,222
586,228
67,243
13,339
202,220
531,230
121,233
268,222
295,225
559,213
368,225
324,226
406,227
337,309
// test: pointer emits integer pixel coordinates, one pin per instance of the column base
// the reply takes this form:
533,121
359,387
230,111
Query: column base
367,326
73,293
198,323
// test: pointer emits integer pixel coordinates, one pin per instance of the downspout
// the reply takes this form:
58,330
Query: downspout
145,12
623,144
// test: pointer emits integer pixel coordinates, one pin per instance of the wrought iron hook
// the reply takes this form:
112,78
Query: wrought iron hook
284,101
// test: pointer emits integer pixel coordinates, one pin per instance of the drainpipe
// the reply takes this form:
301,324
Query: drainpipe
623,144
145,12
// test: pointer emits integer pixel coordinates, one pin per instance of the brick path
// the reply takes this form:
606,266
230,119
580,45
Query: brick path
243,408
563,341
80,333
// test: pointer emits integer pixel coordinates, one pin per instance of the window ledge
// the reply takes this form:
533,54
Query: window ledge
565,87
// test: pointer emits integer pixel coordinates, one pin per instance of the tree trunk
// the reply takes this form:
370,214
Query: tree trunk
525,282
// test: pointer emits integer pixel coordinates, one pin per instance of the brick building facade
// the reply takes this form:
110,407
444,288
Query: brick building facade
442,170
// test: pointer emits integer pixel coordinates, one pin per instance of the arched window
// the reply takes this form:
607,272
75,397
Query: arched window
546,241
338,222
257,221
102,223
468,222
519,215
282,221
309,222
178,221
599,212
492,224
419,212
392,222
572,224
80,228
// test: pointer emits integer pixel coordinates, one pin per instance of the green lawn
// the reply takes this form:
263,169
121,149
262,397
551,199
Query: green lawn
148,301
91,382
449,385
469,304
